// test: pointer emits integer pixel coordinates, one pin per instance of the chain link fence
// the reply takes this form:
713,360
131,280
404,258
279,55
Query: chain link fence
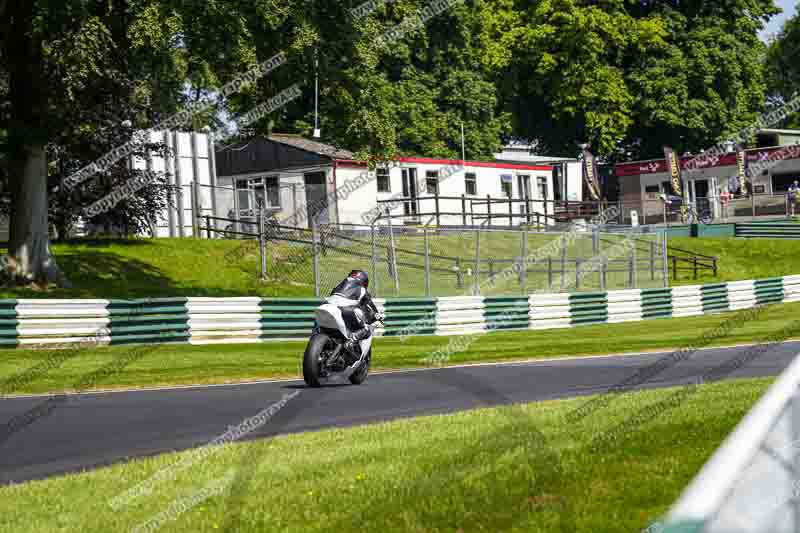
420,261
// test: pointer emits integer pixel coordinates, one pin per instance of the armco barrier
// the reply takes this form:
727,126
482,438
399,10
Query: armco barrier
8,323
148,320
42,322
224,320
45,322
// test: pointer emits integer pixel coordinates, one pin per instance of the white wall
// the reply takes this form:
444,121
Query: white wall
292,193
186,164
575,181
358,201
453,186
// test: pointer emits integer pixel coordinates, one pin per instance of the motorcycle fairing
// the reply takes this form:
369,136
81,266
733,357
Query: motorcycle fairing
330,316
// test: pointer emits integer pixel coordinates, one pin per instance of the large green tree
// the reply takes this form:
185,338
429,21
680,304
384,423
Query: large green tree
783,67
73,66
629,76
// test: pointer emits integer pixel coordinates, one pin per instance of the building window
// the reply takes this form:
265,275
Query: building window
258,191
542,183
507,190
382,175
243,193
470,185
652,188
432,182
273,192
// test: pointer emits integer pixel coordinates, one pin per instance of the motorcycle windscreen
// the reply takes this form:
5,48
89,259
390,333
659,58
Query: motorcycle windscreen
329,316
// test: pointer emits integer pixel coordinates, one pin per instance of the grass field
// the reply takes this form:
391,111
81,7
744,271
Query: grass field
186,364
198,267
520,468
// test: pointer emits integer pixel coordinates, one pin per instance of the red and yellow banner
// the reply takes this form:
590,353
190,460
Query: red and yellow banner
674,169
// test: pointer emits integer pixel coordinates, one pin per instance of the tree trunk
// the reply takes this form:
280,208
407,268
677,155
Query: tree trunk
29,240
29,128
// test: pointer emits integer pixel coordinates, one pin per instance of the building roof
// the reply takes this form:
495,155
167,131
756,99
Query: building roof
779,131
298,141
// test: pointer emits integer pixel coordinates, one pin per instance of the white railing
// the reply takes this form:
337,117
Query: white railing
752,482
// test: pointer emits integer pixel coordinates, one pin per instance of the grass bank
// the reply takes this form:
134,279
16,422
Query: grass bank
483,470
187,364
141,268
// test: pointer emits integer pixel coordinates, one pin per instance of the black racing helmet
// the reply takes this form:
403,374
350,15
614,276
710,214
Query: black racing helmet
361,276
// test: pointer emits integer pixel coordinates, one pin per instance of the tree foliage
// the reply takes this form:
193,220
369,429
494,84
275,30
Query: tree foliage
624,75
783,70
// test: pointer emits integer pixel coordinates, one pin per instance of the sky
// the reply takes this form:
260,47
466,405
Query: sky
774,25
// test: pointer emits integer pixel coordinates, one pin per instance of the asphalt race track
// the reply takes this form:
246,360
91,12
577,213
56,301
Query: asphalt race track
90,430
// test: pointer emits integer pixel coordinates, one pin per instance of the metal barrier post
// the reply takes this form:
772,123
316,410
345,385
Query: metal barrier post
427,264
395,274
523,267
652,261
195,226
665,258
374,260
236,209
633,266
262,243
603,271
314,246
477,289
563,260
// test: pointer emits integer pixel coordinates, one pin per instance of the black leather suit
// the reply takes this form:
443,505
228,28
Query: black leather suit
358,309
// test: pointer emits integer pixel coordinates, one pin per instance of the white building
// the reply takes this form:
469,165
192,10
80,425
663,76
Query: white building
567,171
299,178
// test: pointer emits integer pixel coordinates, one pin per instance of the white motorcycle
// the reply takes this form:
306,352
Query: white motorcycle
324,358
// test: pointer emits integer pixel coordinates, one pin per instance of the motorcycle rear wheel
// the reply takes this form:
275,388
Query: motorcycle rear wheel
359,376
311,362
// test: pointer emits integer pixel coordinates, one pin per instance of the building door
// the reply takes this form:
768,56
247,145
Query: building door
410,192
524,185
316,197
699,194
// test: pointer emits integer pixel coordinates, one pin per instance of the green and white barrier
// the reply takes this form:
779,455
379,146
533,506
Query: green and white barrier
51,322
27,322
8,323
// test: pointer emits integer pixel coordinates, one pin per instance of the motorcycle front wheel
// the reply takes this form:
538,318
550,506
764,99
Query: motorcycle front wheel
311,359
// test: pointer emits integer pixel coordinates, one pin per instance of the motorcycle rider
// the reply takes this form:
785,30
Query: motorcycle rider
358,309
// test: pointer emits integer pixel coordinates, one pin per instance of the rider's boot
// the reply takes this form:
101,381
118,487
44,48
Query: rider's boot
353,341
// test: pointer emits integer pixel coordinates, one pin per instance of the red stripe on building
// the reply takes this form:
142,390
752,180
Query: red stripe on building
481,164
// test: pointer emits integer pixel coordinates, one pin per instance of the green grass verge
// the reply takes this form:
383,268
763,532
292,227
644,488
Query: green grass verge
140,268
187,364
742,259
481,470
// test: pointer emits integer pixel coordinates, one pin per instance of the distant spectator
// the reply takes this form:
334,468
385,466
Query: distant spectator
794,195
